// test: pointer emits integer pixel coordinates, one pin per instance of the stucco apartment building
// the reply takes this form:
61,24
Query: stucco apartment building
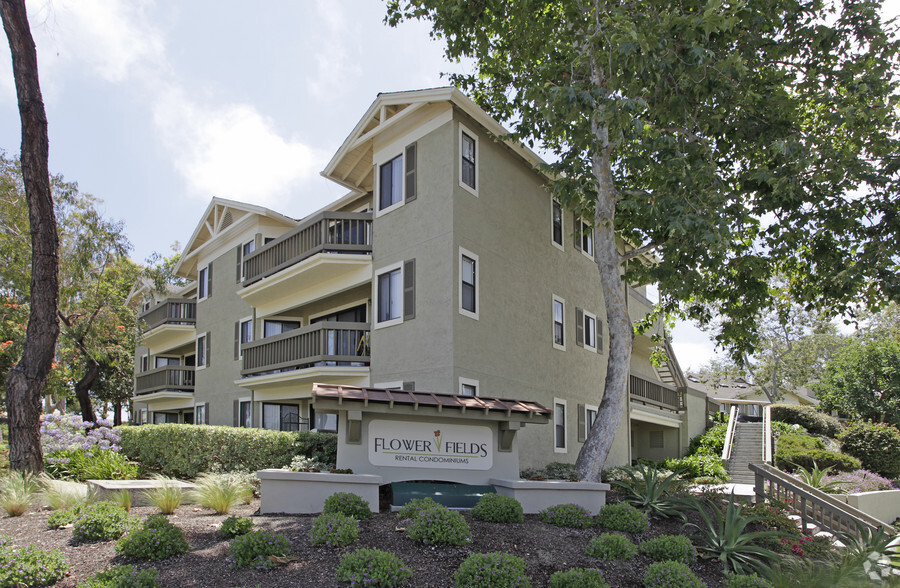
447,268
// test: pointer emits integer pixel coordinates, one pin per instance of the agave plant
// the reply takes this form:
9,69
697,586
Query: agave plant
816,478
724,536
652,491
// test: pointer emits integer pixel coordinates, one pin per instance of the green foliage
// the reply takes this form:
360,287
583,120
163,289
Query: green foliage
567,515
221,492
93,464
724,535
156,538
122,577
30,566
671,574
58,494
746,581
808,417
349,504
123,498
497,508
794,450
555,470
234,526
373,567
412,508
712,442
773,516
334,530
780,428
101,521
669,548
184,451
253,549
439,526
622,517
876,445
610,546
491,570
651,490
578,578
63,516
18,493
167,496
817,479
699,465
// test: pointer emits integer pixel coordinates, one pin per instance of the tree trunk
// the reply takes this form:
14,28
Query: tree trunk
117,413
26,380
599,441
83,391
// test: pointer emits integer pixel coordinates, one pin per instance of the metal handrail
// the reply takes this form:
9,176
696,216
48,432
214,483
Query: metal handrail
729,433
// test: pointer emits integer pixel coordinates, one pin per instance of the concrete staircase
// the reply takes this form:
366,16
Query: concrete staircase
745,449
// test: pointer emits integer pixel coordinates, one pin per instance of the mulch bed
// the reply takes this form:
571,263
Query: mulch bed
545,548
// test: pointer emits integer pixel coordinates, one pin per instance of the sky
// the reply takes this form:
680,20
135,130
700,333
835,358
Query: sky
156,107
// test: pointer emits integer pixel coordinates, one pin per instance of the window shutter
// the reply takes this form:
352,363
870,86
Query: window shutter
237,413
409,386
409,289
576,222
582,425
237,273
237,340
579,327
208,349
599,337
209,280
411,172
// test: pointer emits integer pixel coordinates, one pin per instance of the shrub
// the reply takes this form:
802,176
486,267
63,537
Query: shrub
254,548
578,578
94,463
304,463
184,451
712,442
497,508
63,516
491,570
652,490
156,538
876,445
31,566
122,577
221,492
794,450
699,465
18,493
725,536
669,548
622,517
101,521
780,428
557,470
671,574
859,481
234,526
434,526
373,567
746,581
123,498
334,530
609,546
415,506
60,493
167,496
567,515
347,503
814,421
67,432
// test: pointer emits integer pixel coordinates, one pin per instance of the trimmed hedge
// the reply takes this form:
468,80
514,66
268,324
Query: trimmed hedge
802,450
876,445
184,451
814,421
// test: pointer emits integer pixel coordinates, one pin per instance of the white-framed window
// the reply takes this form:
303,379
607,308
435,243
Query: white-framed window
396,181
560,432
556,223
145,362
160,361
245,334
589,323
590,417
200,415
468,160
244,250
389,296
202,351
468,387
280,417
586,232
559,323
204,282
277,327
468,283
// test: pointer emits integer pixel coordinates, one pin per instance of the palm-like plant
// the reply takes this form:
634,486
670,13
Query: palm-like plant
816,478
724,536
652,491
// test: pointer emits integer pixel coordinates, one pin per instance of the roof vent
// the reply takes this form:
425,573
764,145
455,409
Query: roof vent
227,220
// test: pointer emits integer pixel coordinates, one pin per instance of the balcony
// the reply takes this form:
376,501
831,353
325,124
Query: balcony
656,395
322,350
169,324
170,381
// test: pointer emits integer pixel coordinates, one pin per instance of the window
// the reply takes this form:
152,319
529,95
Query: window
204,283
389,296
161,418
559,322
203,351
559,425
586,329
590,416
556,219
280,417
468,283
587,414
200,414
164,361
245,414
468,387
245,335
585,238
326,421
468,164
391,184
145,362
272,328
243,251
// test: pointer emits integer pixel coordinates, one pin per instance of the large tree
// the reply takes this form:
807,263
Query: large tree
734,141
25,381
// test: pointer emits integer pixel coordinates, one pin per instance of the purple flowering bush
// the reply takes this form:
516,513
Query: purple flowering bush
578,578
496,570
30,566
157,538
334,530
253,549
373,567
75,450
671,574
859,481
439,526
567,515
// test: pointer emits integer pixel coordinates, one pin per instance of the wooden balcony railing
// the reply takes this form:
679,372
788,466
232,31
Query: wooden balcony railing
656,394
325,343
336,232
171,311
177,378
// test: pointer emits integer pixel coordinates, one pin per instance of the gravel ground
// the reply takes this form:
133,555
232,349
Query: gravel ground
545,549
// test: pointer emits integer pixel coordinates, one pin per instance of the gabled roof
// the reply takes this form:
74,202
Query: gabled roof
351,166
221,217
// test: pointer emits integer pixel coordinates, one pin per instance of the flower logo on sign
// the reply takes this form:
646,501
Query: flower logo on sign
437,439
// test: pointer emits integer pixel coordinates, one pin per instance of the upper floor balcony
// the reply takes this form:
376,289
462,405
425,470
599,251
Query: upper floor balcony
655,395
168,380
329,253
321,351
169,324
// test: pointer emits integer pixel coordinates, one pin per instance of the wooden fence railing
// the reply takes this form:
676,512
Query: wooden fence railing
320,343
656,394
178,378
172,311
